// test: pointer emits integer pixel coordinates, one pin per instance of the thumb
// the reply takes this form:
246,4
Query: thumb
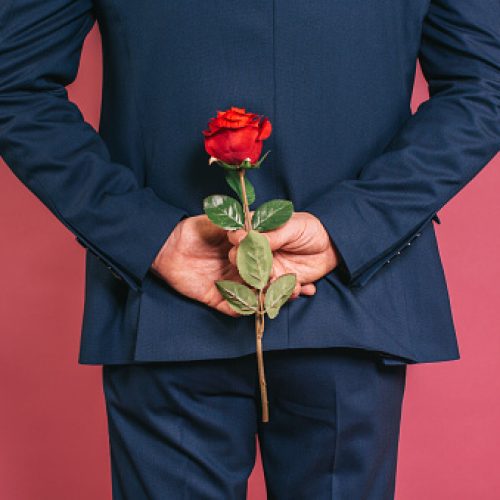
277,237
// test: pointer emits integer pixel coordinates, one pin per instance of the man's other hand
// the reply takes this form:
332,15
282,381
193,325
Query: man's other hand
301,245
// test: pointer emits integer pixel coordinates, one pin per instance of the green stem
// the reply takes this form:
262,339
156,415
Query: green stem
246,209
259,316
259,330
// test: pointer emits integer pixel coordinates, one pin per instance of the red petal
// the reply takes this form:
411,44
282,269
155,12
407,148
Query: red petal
265,129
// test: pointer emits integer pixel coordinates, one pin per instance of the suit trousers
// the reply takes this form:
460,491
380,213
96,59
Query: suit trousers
182,430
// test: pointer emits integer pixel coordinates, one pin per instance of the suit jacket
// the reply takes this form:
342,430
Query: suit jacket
334,77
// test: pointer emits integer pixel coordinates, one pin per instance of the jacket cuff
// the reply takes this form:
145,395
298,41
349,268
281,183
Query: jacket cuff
357,241
147,224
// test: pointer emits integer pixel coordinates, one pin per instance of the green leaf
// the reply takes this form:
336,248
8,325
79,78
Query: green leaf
233,179
272,214
254,259
224,211
241,298
258,163
278,293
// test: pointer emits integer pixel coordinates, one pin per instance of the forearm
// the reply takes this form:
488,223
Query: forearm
61,158
450,138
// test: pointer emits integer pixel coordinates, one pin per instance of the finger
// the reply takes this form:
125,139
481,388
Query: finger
236,235
225,308
296,291
308,289
286,237
232,255
273,275
277,238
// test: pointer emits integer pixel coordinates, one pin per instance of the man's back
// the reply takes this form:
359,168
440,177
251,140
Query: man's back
335,78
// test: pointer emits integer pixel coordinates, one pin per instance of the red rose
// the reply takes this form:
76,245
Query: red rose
234,135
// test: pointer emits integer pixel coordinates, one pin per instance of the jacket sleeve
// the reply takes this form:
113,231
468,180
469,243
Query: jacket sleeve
47,144
451,137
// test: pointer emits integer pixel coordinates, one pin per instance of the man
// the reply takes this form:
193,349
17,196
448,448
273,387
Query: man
366,178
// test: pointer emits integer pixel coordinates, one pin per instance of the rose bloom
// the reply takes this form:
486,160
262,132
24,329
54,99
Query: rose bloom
234,135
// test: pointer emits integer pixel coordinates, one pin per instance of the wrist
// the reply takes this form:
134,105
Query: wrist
156,264
161,258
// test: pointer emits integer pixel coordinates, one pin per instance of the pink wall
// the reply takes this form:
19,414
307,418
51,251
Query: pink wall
52,419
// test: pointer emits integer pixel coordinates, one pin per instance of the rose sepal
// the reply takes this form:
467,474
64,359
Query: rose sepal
262,158
244,164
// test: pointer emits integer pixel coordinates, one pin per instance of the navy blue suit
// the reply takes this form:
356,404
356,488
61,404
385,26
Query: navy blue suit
186,429
335,78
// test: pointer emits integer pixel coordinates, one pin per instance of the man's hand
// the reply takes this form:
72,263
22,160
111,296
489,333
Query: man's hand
301,245
194,256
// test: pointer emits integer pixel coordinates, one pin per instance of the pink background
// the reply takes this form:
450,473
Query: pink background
53,431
